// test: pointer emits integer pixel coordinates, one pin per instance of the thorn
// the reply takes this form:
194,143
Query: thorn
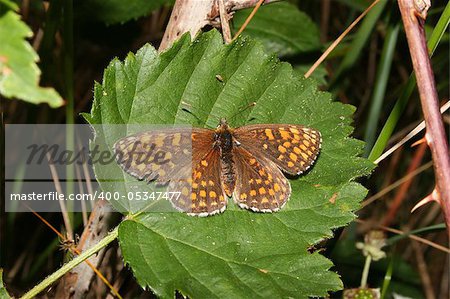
421,7
428,138
433,196
420,141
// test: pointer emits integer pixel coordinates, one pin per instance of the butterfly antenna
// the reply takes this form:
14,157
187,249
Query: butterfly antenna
242,109
185,109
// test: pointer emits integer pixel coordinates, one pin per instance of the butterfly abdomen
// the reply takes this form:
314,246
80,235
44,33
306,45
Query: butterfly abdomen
224,143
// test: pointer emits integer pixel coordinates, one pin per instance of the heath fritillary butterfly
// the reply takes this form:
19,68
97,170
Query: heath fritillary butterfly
207,166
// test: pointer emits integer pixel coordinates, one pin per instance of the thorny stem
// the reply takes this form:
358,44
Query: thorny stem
435,134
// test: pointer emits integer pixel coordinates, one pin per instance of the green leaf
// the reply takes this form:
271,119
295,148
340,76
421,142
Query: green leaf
3,292
282,28
19,73
238,253
118,11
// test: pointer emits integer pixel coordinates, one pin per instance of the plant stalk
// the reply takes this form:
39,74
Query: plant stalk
70,265
435,134
365,273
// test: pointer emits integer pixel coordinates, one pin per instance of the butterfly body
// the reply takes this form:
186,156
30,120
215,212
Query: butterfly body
223,137
245,163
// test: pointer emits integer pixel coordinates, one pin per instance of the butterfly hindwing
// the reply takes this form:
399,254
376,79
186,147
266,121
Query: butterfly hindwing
260,184
293,148
202,193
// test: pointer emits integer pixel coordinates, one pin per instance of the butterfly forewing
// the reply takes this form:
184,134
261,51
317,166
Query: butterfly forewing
158,155
293,148
260,185
184,159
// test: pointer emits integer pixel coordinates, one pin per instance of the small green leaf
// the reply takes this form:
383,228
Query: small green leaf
3,292
19,73
119,11
238,253
282,28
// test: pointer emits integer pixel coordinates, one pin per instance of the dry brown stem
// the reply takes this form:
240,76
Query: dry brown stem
192,15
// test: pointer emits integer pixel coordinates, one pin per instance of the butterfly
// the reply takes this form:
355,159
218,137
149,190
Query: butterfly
207,166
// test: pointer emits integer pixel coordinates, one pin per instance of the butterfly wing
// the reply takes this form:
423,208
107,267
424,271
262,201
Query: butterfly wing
202,193
260,184
293,148
184,158
159,155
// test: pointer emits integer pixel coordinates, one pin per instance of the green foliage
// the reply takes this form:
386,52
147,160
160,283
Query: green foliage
19,73
118,11
361,37
282,28
379,93
238,253
3,293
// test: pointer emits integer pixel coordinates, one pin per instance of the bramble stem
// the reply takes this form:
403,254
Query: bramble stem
435,134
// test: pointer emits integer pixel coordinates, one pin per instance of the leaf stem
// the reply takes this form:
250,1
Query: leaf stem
70,265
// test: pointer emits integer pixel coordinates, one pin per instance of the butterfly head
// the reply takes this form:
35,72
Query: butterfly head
223,124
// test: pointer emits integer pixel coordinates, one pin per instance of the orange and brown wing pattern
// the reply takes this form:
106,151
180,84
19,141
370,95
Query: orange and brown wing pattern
260,184
159,155
201,194
293,148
